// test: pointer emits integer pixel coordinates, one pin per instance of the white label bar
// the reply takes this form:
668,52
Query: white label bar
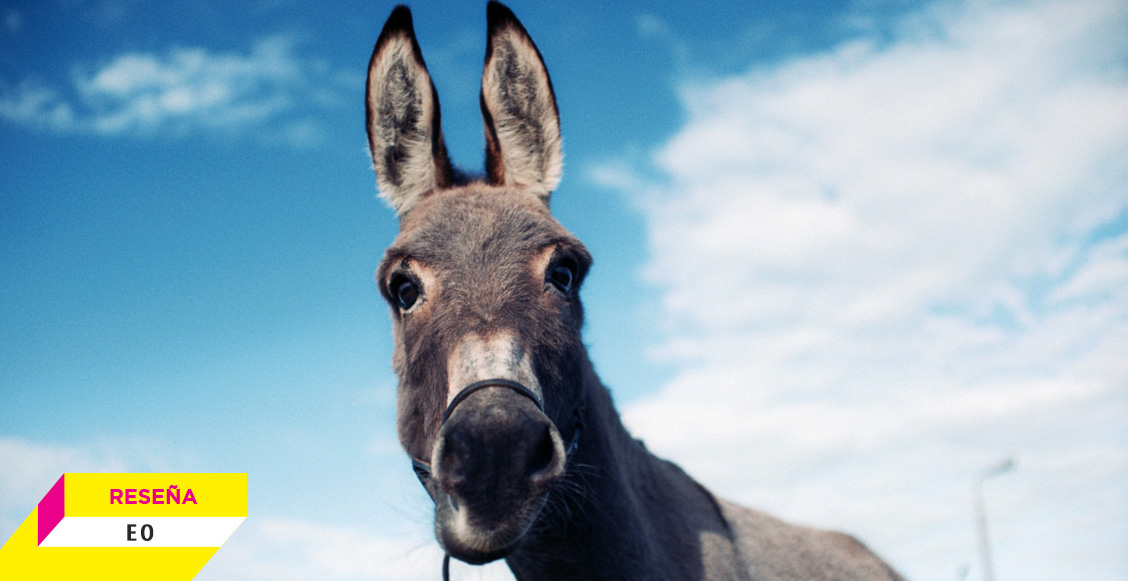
142,531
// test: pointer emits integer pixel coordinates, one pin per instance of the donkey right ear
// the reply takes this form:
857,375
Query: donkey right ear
522,122
404,130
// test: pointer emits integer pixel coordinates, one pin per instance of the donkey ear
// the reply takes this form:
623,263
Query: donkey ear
404,130
522,123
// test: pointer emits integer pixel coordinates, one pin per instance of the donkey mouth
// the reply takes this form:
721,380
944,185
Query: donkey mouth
476,538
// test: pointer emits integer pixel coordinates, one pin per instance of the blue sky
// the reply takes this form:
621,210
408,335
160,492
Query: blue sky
847,255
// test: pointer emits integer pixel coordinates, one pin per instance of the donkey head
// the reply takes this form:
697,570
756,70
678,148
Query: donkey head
482,284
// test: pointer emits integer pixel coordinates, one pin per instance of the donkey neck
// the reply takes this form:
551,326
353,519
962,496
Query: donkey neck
623,513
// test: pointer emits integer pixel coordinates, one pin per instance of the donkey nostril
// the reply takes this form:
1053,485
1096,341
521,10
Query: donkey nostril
543,454
453,459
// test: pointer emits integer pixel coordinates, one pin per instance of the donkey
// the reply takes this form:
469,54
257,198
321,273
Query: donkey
509,429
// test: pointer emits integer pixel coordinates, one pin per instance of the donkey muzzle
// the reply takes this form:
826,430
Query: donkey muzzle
496,457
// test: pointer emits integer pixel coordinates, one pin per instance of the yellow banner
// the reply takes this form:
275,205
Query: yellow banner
126,526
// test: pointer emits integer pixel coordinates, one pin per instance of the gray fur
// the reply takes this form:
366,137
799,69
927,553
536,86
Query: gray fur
481,257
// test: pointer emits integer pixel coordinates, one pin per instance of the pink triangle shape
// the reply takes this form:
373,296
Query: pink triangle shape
51,509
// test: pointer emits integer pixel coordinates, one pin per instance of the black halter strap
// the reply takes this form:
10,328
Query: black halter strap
423,469
477,385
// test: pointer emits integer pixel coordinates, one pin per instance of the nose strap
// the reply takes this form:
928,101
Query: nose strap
477,385
423,469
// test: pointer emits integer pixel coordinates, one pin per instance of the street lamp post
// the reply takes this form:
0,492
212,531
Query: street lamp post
981,514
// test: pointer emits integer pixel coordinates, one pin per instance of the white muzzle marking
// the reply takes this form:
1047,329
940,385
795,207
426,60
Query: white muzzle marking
497,356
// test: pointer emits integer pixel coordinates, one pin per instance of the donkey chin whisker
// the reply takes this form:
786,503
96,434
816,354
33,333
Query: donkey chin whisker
496,540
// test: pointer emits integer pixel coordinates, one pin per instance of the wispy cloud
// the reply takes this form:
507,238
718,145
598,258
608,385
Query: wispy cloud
271,90
13,21
279,549
886,266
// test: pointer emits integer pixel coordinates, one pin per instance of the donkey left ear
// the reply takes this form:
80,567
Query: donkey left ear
404,124
522,122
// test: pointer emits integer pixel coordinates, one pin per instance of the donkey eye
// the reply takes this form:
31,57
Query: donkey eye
404,290
562,275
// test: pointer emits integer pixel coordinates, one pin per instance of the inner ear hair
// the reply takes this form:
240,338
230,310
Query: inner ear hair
523,144
404,120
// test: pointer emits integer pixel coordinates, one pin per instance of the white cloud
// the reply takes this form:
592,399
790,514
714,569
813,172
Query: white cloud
280,549
187,90
32,103
886,266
